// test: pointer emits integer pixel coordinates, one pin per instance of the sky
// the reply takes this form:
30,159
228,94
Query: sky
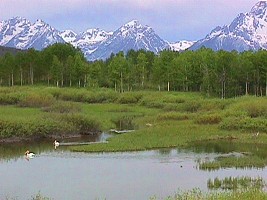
172,20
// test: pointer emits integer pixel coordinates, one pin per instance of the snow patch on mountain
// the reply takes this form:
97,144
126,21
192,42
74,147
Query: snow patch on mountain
181,45
68,36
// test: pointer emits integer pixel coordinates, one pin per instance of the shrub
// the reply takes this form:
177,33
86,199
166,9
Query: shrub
100,97
252,107
37,100
10,98
63,107
128,98
83,124
256,109
191,106
208,119
245,124
39,127
215,104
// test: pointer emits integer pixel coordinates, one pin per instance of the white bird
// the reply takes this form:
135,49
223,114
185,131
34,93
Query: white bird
56,144
29,154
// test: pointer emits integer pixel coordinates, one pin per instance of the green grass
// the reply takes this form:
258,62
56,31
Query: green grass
234,183
238,162
159,135
195,194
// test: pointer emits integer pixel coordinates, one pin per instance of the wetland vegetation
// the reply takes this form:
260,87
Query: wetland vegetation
161,119
170,100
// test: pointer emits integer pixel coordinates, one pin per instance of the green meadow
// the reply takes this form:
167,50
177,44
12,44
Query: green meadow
161,119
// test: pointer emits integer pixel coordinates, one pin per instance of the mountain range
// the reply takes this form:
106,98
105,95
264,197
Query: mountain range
248,31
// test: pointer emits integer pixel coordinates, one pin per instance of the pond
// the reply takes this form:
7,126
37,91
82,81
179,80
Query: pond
61,174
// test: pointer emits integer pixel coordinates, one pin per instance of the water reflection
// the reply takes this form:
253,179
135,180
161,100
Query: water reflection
14,151
128,175
226,147
231,155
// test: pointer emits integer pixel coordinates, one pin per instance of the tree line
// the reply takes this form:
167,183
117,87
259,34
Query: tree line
214,73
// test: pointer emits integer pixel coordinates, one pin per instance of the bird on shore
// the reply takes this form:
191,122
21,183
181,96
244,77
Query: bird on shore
29,154
255,135
56,144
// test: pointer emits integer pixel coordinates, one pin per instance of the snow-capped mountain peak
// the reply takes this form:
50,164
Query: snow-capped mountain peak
132,28
20,33
12,27
248,31
259,8
68,35
132,24
132,35
94,35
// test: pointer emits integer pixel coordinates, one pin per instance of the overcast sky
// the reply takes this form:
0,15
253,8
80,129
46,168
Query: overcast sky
172,20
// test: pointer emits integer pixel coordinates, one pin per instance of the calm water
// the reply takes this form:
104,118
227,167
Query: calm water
60,174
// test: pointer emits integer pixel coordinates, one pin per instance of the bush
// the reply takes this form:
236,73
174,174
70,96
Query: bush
256,109
251,107
23,129
10,98
37,100
191,106
215,104
208,119
101,97
245,124
128,98
63,107
82,123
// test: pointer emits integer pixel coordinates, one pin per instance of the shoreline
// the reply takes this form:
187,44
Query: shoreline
17,139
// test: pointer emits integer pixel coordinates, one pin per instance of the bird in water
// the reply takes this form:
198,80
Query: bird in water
29,154
56,144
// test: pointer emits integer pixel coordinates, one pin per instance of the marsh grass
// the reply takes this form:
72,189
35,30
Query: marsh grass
234,183
162,134
231,161
245,124
164,119
37,196
173,116
129,98
250,106
196,194
208,119
63,107
83,95
36,100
